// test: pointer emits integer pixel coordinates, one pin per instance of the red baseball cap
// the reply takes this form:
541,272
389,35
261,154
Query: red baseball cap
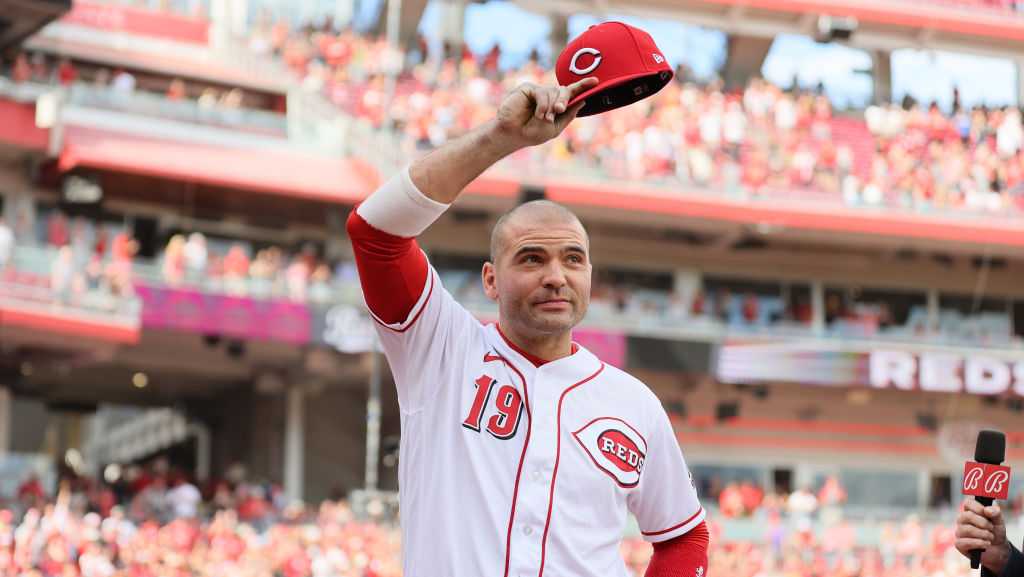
628,65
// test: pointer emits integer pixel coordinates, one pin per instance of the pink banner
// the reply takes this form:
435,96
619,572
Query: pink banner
608,346
138,21
245,318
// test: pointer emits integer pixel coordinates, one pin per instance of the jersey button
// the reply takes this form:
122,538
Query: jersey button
527,530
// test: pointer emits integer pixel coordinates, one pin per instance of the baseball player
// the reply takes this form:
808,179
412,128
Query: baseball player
521,451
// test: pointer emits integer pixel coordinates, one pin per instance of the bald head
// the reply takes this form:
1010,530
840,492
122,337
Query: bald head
527,216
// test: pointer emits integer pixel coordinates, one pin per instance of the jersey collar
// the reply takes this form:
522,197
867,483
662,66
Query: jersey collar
534,359
566,371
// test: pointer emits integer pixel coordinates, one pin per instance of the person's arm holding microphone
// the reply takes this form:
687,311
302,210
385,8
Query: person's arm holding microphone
979,527
980,530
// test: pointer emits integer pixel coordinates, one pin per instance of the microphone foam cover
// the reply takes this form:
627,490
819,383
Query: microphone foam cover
991,447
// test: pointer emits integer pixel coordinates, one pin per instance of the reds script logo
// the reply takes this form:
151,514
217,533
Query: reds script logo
574,63
616,448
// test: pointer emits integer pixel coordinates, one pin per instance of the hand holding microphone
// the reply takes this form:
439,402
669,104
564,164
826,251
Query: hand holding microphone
980,529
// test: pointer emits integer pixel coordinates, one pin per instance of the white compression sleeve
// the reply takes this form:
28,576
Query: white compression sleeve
399,208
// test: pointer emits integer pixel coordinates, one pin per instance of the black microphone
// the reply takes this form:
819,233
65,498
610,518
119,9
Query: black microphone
991,450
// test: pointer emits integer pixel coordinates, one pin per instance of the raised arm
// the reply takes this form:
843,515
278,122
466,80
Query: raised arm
528,115
392,269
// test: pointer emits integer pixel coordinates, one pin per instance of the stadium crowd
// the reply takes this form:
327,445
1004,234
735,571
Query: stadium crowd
758,141
81,262
761,141
154,522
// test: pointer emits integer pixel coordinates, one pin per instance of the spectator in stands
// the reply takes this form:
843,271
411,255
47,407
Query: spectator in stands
57,229
101,79
6,244
151,503
62,275
67,74
752,496
123,82
177,91
196,256
21,70
119,272
236,270
802,503
832,493
183,498
174,260
320,286
730,501
40,68
30,493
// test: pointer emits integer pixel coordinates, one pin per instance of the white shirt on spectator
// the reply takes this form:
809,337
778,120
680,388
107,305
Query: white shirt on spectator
195,254
184,501
711,127
6,244
734,126
1009,135
802,503
785,113
123,82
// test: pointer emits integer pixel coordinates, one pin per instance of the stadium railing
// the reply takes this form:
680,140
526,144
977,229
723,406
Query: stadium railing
156,105
648,312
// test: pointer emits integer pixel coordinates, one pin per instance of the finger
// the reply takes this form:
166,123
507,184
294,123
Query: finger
581,86
973,506
530,91
568,116
993,512
562,103
972,532
543,104
967,545
969,519
553,94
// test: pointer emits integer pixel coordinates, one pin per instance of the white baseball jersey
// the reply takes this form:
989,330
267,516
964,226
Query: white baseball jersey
512,470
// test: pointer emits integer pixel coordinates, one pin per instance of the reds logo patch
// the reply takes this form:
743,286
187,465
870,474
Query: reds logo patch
615,447
574,64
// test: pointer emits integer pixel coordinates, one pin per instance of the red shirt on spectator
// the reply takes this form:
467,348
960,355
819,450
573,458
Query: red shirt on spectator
122,248
298,565
57,230
236,263
66,73
31,488
752,496
22,70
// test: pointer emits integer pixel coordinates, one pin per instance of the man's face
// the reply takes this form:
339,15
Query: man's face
541,275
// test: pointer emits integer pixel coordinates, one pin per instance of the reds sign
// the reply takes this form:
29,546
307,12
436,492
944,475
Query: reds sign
984,480
946,373
616,448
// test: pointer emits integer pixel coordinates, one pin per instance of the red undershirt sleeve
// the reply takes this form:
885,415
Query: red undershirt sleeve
392,270
682,556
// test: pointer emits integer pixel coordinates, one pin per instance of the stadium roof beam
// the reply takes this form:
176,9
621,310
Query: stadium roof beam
881,25
411,14
23,17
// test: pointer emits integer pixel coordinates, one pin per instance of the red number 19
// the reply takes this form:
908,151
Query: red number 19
509,404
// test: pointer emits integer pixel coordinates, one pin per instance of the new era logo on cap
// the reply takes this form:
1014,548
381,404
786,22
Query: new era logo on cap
624,59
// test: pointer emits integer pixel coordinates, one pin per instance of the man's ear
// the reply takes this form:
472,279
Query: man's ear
490,281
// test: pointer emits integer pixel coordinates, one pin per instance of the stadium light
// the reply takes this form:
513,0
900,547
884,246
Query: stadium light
140,380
